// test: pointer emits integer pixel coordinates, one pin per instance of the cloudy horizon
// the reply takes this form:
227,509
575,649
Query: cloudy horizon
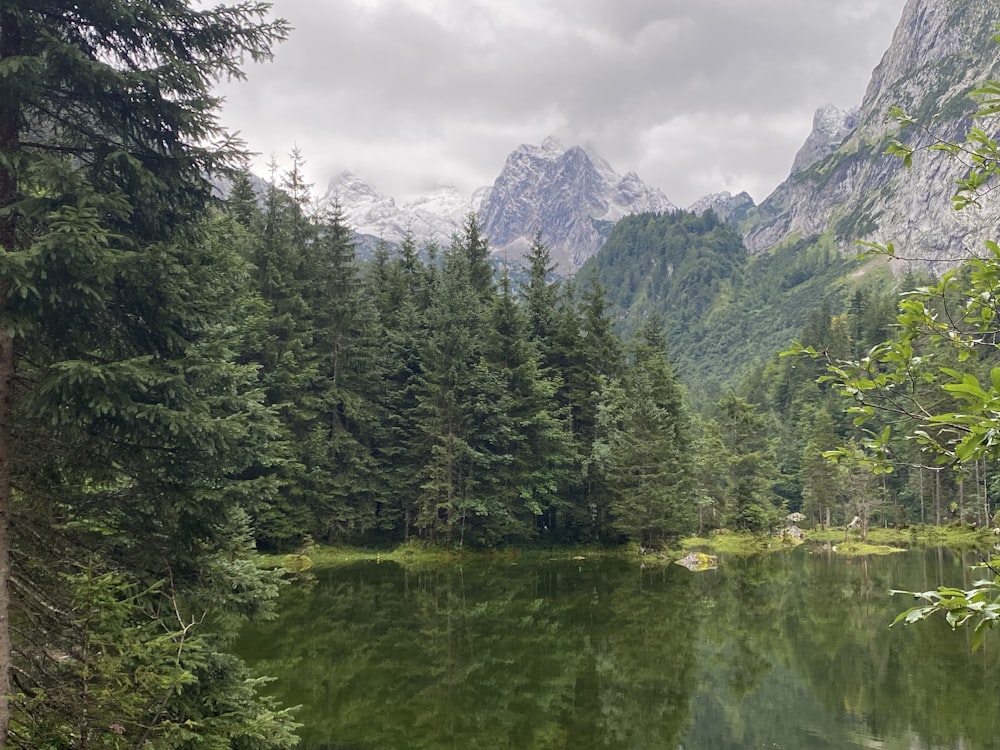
694,97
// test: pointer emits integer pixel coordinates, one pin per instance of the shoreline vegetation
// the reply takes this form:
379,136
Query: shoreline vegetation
835,540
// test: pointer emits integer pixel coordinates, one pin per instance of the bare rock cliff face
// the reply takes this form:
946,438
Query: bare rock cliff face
940,51
571,195
830,127
725,205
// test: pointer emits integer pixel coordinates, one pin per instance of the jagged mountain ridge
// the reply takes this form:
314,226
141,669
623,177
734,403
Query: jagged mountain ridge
571,194
841,182
941,50
728,207
433,218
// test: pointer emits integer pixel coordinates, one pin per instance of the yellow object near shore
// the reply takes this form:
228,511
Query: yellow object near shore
698,561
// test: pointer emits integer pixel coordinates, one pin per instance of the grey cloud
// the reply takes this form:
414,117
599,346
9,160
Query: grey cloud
457,82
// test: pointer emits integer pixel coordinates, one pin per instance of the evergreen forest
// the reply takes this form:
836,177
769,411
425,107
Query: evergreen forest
186,380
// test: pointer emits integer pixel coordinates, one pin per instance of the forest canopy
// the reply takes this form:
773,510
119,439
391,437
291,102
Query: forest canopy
186,380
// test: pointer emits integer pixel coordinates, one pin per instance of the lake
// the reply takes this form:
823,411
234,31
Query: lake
790,650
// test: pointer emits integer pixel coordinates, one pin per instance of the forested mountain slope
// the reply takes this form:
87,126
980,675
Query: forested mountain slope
728,304
724,311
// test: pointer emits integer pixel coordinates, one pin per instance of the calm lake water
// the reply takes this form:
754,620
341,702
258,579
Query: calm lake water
791,650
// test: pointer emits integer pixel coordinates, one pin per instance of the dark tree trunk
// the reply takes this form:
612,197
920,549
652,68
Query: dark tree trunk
10,117
6,385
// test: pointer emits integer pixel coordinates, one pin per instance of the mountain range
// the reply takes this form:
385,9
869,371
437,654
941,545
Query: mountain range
569,194
841,183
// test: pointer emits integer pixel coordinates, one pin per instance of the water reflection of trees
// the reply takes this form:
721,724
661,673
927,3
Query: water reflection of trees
556,655
817,625
919,680
788,650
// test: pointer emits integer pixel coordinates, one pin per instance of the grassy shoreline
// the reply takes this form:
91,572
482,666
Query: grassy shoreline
879,541
418,554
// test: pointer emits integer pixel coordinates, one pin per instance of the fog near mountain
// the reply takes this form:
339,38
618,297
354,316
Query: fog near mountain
570,195
695,97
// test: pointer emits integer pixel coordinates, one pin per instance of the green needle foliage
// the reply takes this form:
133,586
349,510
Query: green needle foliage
644,448
127,422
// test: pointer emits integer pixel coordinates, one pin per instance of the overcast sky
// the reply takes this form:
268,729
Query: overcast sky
696,96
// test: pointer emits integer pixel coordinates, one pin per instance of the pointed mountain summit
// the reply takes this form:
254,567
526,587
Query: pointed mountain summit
571,195
843,184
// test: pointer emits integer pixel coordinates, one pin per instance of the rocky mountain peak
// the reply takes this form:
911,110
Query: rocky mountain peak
831,125
550,147
725,205
572,195
940,51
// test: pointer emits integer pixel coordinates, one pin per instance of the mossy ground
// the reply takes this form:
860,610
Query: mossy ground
863,549
880,541
953,536
418,554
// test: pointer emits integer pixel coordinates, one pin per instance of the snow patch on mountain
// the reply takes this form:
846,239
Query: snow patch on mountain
433,218
725,205
572,195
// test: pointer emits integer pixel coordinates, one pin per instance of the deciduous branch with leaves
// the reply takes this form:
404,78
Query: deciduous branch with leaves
937,380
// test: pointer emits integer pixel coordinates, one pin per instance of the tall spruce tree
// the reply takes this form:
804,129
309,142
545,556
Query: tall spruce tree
445,392
281,346
533,451
586,354
541,295
401,287
643,451
751,464
475,250
822,480
117,305
342,472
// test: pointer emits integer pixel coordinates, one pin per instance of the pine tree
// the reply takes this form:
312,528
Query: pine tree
643,452
401,289
532,451
281,346
752,466
822,480
711,458
587,355
242,203
445,393
117,311
475,250
342,473
541,295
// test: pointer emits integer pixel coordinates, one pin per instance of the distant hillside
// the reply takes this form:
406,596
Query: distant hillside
725,311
